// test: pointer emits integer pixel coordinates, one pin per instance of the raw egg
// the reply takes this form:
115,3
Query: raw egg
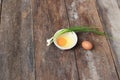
65,41
87,45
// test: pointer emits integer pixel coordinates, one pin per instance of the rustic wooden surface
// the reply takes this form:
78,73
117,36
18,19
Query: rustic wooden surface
110,13
16,41
26,24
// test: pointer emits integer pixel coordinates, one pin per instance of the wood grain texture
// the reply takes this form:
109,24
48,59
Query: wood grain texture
51,63
16,41
98,63
0,9
25,25
0,5
110,16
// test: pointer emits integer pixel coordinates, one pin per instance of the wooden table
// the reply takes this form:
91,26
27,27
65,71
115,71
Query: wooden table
25,25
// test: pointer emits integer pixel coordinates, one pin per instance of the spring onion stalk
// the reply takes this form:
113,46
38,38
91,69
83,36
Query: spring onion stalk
75,29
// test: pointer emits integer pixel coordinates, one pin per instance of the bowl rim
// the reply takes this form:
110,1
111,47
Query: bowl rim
63,48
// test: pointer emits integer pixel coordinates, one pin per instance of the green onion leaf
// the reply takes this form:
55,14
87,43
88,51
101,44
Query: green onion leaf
75,29
85,29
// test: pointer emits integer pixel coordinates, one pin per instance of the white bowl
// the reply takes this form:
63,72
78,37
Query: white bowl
72,36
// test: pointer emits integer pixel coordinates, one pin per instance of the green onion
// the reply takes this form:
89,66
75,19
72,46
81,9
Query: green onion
85,29
75,29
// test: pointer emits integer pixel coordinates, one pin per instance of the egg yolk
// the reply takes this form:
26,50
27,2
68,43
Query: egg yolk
61,41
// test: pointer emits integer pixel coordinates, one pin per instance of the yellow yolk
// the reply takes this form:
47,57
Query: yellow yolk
65,41
61,41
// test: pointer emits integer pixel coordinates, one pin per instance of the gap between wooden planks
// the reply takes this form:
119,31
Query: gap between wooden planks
17,46
51,15
51,63
87,11
109,12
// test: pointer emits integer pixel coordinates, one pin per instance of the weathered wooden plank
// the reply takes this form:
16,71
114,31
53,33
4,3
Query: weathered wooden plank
110,16
96,64
0,5
0,9
51,63
3,68
16,41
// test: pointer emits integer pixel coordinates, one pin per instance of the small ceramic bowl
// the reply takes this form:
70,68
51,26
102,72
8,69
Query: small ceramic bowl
71,40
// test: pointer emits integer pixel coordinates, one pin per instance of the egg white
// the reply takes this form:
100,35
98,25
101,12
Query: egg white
69,38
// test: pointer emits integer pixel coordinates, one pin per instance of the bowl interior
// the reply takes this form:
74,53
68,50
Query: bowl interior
72,36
